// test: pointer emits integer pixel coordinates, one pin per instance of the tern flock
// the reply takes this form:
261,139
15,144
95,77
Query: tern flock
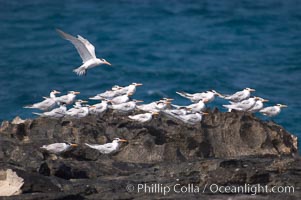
119,99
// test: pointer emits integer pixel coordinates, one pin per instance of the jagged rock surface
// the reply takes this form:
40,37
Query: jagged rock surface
226,148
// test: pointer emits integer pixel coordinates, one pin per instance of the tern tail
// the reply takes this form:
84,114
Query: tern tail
80,71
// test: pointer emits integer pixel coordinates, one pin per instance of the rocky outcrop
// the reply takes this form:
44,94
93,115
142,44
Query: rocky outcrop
226,149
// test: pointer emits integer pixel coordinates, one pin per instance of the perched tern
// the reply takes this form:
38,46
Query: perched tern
99,107
178,111
76,108
117,91
272,110
78,103
108,147
146,117
196,107
125,107
68,98
163,104
56,113
193,118
79,112
240,95
188,118
258,105
131,89
86,51
244,105
58,148
106,95
154,106
196,97
148,107
47,104
120,99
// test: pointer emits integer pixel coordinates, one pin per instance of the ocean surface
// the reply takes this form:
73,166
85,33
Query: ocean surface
168,46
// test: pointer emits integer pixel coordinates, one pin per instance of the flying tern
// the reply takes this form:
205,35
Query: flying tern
86,51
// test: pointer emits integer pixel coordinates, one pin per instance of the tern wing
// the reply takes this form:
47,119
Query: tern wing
88,45
63,98
235,96
84,48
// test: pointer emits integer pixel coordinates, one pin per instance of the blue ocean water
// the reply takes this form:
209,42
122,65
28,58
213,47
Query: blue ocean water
167,45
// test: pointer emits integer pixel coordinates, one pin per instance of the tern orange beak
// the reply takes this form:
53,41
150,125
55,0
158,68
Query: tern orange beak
205,113
107,63
76,92
265,100
168,99
74,145
123,140
139,84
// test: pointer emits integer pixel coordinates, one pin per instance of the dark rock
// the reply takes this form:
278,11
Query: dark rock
229,149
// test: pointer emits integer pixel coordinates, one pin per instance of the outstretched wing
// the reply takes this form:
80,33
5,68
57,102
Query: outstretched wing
84,48
88,45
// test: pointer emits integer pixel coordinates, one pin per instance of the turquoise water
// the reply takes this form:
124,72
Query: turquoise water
166,45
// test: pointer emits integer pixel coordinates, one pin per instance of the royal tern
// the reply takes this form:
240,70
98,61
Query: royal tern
196,97
108,147
56,113
155,106
125,107
146,117
120,99
149,107
47,104
196,107
240,95
78,103
163,104
117,91
86,51
73,111
193,118
258,105
272,110
106,95
58,148
176,112
79,112
68,98
244,105
131,89
99,107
